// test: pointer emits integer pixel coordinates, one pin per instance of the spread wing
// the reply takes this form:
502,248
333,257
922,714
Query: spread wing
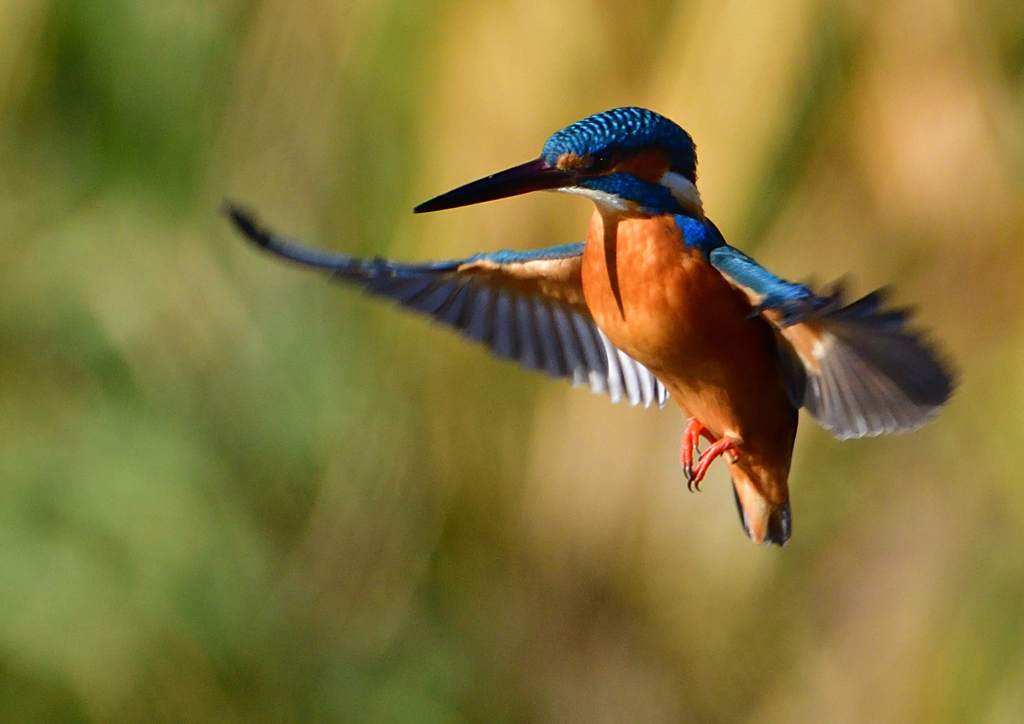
856,367
525,306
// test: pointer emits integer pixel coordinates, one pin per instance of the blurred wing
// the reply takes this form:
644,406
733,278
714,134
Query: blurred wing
864,371
525,306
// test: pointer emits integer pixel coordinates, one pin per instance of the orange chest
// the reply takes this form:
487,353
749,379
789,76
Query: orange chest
657,299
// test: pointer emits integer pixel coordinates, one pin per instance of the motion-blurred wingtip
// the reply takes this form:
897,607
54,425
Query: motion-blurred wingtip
245,221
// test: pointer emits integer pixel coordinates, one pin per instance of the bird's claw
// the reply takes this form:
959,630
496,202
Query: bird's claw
691,443
707,457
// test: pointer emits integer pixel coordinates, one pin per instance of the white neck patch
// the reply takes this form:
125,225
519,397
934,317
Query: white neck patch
601,198
685,192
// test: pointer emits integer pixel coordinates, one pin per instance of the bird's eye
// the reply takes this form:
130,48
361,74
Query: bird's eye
602,160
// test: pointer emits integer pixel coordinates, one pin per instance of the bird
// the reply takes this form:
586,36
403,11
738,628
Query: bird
656,305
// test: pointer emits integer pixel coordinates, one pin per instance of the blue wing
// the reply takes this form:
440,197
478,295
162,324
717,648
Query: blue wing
525,306
857,367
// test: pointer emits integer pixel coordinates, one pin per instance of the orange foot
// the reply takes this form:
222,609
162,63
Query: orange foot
707,457
691,440
691,443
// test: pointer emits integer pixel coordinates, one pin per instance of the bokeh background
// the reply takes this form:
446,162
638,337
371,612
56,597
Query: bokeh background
233,492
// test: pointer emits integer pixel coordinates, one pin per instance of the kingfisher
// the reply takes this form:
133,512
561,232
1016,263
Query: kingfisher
656,305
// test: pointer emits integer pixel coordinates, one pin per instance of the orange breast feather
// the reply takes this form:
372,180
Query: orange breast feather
665,305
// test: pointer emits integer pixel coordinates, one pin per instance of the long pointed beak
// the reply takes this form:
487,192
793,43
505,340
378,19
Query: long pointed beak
534,175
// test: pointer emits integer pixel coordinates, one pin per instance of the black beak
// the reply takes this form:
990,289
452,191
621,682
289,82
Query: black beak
535,175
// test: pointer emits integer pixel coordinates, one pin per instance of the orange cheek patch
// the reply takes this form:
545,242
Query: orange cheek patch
570,162
647,166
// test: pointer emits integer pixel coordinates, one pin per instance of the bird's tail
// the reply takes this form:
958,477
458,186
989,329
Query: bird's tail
766,518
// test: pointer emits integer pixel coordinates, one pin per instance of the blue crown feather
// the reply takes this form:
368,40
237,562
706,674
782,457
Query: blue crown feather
627,129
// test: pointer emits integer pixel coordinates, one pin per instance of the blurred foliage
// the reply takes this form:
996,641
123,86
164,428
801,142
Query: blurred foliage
230,491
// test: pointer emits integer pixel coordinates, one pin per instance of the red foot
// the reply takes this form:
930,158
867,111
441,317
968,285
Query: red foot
707,457
691,442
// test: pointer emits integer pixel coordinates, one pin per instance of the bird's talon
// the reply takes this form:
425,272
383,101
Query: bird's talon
725,446
691,443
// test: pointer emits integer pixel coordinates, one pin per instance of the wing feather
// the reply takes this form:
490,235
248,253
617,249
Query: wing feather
525,306
865,370
529,354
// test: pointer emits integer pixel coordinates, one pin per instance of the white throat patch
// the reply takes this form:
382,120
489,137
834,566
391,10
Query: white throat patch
601,198
685,191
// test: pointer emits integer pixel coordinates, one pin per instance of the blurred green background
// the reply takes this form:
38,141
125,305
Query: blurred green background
233,492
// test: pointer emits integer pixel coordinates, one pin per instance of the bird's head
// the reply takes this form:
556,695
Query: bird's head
626,159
